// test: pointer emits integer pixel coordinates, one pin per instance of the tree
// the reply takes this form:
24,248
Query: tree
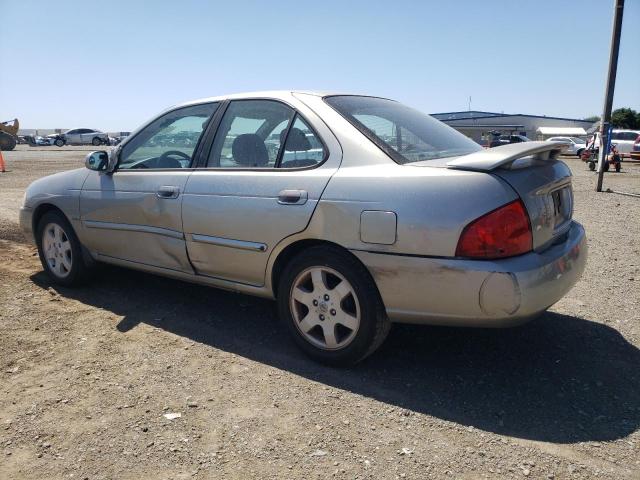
593,118
625,118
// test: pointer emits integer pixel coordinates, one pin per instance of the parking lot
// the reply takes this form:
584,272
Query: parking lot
87,375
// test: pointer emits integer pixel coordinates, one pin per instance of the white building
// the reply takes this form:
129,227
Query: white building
480,125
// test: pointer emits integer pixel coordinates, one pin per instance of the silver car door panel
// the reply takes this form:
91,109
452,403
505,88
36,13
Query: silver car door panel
123,217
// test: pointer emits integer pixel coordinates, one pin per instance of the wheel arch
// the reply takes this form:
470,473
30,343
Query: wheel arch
45,208
293,249
41,210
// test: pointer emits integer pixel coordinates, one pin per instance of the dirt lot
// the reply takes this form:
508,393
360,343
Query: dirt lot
87,375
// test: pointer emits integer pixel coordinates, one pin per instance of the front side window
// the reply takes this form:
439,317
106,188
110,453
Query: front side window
406,135
169,141
250,134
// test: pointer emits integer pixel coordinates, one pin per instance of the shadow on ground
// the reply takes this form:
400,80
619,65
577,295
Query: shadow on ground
558,379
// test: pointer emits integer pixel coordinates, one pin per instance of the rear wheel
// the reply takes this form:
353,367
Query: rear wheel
59,142
96,141
60,250
618,167
331,306
606,166
592,166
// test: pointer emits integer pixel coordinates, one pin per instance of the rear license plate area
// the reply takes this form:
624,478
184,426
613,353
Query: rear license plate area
562,206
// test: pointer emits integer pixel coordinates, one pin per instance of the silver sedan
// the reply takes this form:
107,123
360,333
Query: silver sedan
353,212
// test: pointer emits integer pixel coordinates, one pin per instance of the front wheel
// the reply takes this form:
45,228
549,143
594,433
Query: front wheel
60,250
59,142
618,167
331,306
592,166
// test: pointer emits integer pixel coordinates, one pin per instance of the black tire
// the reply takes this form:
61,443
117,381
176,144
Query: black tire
96,141
374,324
59,142
606,166
592,166
7,142
618,167
76,275
579,152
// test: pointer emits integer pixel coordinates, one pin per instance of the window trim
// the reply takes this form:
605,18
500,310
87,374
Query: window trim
211,134
196,150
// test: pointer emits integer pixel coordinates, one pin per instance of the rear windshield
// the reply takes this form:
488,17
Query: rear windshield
405,134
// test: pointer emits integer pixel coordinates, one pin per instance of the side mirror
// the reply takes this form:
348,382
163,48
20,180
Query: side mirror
98,161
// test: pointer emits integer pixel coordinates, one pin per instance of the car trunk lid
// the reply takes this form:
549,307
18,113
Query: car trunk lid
542,182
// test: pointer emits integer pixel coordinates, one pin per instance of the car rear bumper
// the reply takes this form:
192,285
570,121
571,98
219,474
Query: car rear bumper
480,293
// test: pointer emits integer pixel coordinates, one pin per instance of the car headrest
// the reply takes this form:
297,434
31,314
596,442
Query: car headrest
297,141
249,150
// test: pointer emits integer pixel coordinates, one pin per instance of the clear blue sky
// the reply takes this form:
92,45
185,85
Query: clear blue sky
111,65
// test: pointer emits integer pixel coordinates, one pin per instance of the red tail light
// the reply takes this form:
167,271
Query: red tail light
505,232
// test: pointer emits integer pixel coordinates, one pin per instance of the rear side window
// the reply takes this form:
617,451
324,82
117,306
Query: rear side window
250,134
406,135
264,134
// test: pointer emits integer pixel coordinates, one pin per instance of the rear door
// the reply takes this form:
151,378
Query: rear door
261,181
135,214
86,135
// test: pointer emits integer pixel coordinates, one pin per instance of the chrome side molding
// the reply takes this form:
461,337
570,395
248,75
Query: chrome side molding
229,242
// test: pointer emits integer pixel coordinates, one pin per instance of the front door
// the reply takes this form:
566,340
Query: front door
135,214
266,170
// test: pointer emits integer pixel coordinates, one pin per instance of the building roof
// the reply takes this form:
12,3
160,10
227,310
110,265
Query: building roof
562,131
476,114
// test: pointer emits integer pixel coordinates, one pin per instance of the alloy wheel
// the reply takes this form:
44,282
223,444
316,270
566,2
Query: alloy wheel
57,250
325,308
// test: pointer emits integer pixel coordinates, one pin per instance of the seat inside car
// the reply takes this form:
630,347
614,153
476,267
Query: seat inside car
248,150
297,141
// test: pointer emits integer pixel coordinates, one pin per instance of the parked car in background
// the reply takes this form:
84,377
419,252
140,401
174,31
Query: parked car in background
576,145
507,139
55,138
82,136
42,141
330,221
625,140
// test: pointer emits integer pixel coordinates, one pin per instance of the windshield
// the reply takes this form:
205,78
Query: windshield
577,140
405,134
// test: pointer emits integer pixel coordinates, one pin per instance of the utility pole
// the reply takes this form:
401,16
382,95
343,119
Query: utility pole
605,120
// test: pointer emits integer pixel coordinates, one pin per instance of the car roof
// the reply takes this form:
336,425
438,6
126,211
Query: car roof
274,94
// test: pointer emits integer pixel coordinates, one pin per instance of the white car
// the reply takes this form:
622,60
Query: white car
624,140
83,136
576,145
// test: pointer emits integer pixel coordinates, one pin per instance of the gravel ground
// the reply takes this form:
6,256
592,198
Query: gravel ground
88,376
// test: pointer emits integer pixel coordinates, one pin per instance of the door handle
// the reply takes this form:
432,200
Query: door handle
168,191
293,197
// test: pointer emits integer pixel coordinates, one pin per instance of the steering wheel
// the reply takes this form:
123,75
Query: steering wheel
174,152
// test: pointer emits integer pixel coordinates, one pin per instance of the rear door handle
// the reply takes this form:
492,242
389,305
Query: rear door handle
293,197
168,191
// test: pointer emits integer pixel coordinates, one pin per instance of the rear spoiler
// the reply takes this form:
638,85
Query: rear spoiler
504,155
